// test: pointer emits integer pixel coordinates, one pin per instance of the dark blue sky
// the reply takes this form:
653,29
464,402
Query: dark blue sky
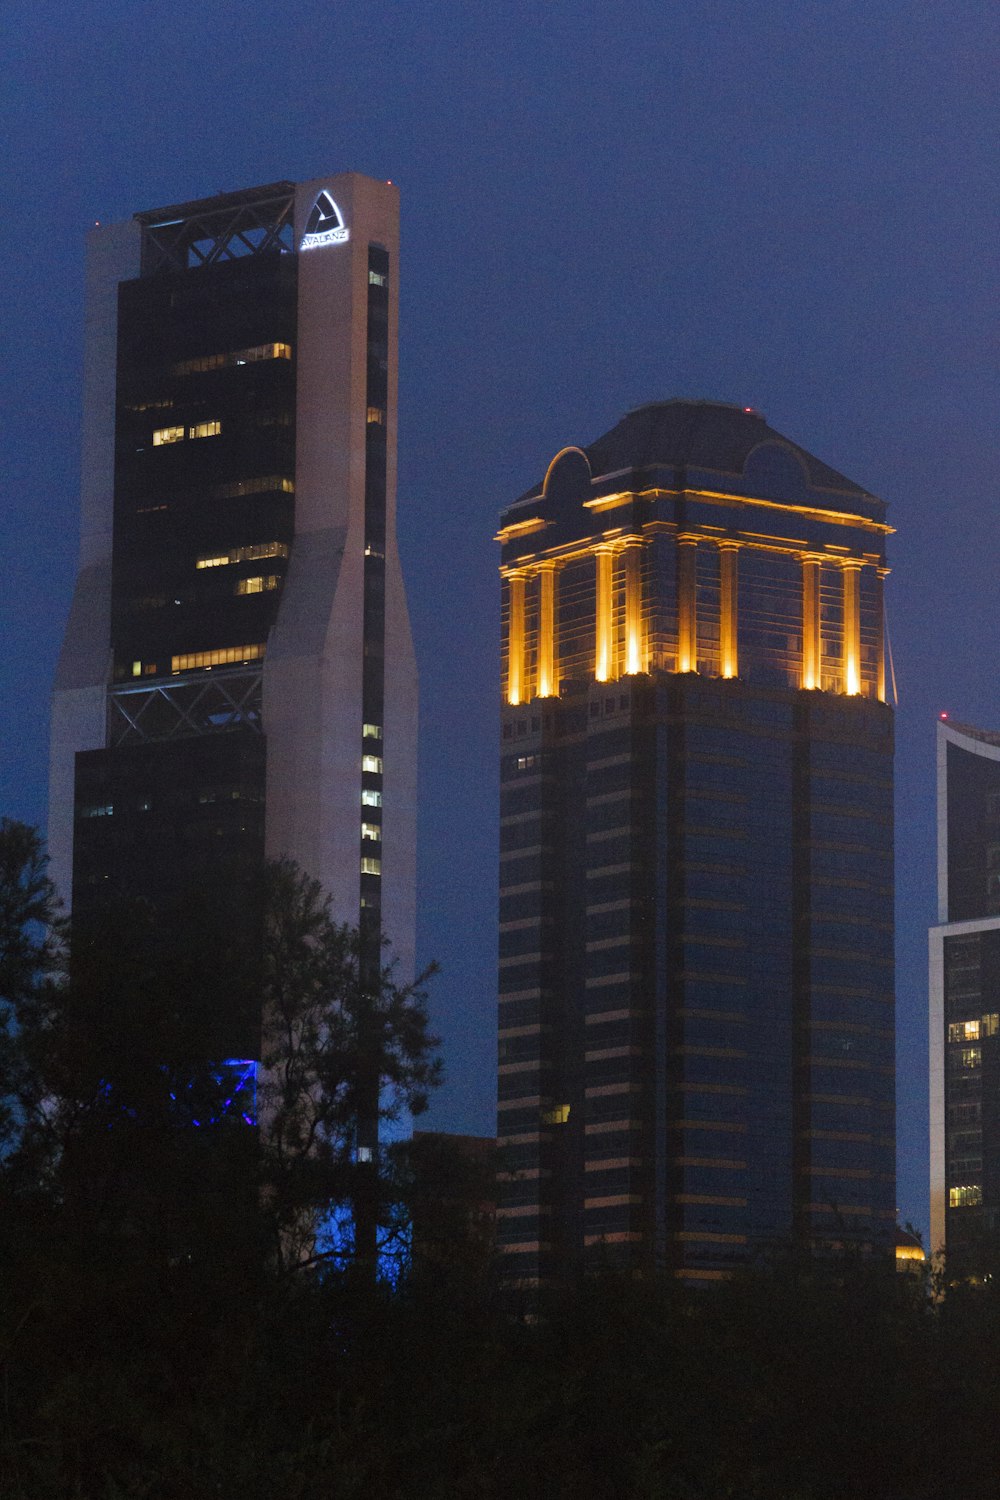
790,204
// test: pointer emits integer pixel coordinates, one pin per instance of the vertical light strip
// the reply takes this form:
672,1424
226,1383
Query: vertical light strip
687,604
547,684
635,646
603,615
881,574
728,623
852,626
812,676
515,638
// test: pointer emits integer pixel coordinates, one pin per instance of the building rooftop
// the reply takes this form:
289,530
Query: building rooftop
712,444
701,435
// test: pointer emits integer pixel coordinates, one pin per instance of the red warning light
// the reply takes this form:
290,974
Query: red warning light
944,716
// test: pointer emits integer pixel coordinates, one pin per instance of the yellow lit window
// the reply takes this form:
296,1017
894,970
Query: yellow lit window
236,357
137,669
972,1057
372,763
371,799
252,553
376,416
205,429
258,585
557,1116
990,1024
372,731
963,1031
967,1196
370,831
164,435
225,656
371,866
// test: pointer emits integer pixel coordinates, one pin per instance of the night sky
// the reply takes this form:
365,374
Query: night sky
789,204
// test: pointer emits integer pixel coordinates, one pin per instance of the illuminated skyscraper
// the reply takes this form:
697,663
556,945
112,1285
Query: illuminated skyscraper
696,934
965,995
237,678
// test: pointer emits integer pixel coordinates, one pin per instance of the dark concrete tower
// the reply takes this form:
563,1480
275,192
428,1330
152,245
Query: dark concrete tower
237,679
696,929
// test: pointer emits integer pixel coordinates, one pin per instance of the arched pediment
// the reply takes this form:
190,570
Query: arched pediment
567,481
776,472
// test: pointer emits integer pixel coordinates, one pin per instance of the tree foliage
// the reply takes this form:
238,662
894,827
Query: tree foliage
168,1329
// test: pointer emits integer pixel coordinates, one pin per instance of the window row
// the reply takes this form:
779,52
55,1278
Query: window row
222,657
253,553
166,435
971,1031
236,357
261,584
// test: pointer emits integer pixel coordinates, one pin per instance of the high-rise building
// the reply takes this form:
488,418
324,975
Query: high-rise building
237,679
965,997
696,935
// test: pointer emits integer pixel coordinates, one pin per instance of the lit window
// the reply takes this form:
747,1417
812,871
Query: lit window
137,669
237,357
223,657
557,1116
370,866
967,1196
963,1031
164,435
990,1024
104,811
253,553
365,1153
370,831
528,762
376,278
372,763
376,416
257,585
371,799
372,731
205,429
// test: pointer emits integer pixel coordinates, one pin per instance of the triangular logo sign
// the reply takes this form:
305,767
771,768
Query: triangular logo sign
325,224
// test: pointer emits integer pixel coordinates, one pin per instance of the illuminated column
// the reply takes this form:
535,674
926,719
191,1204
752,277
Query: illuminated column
852,626
728,654
811,637
687,604
547,683
881,574
604,645
635,645
515,638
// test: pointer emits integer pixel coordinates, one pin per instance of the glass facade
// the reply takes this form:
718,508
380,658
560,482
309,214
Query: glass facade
965,999
696,986
239,433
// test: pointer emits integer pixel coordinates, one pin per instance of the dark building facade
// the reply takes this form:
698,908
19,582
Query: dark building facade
965,997
696,931
237,679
